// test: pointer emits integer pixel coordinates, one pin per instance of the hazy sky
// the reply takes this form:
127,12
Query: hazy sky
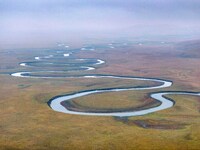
48,21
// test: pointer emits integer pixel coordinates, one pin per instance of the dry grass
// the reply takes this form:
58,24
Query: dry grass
28,123
120,101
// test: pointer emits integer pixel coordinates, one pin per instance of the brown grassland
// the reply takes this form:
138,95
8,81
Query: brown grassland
27,122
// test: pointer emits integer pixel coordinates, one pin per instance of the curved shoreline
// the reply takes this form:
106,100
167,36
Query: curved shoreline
55,102
73,106
77,65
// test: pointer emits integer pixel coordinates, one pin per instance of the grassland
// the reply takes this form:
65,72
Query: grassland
112,102
28,123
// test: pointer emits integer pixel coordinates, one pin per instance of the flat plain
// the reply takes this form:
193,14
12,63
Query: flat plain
27,122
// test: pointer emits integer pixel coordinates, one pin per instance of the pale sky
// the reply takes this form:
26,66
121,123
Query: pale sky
49,21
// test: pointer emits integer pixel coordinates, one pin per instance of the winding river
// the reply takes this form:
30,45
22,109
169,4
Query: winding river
90,64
